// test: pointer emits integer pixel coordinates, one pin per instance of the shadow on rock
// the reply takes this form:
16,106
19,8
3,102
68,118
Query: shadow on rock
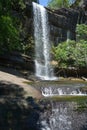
9,89
17,112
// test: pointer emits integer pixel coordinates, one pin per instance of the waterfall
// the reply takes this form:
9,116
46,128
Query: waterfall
68,35
43,65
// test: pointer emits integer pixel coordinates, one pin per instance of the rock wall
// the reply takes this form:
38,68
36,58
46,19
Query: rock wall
62,24
82,10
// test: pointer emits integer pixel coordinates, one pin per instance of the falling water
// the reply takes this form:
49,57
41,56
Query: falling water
68,35
44,69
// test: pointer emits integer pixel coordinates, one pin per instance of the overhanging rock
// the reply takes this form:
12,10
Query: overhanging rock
62,21
63,18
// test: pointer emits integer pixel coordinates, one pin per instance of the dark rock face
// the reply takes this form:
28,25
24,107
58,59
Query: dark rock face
62,24
64,18
71,72
17,60
82,12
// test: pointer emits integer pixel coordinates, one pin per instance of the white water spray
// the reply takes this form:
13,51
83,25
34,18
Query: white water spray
44,69
68,36
62,116
49,92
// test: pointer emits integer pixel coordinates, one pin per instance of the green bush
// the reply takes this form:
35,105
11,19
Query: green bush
73,53
63,53
81,32
9,35
9,26
80,54
55,4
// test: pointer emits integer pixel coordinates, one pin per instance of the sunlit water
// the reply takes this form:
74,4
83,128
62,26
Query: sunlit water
63,90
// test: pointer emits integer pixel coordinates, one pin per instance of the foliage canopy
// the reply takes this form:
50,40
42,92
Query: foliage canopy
10,26
9,38
9,34
58,3
55,4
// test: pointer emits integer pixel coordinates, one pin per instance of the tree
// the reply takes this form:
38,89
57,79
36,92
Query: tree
64,3
9,32
58,3
9,35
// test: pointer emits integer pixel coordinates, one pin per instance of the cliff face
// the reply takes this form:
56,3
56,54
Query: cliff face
82,12
62,21
62,24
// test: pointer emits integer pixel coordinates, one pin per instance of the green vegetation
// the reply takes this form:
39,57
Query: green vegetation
9,34
73,53
58,3
11,26
55,4
82,106
81,31
79,99
29,46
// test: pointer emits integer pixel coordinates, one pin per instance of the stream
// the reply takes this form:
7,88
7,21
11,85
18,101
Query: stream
63,114
62,88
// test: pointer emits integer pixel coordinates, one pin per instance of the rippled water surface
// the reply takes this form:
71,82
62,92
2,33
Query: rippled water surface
63,116
62,88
